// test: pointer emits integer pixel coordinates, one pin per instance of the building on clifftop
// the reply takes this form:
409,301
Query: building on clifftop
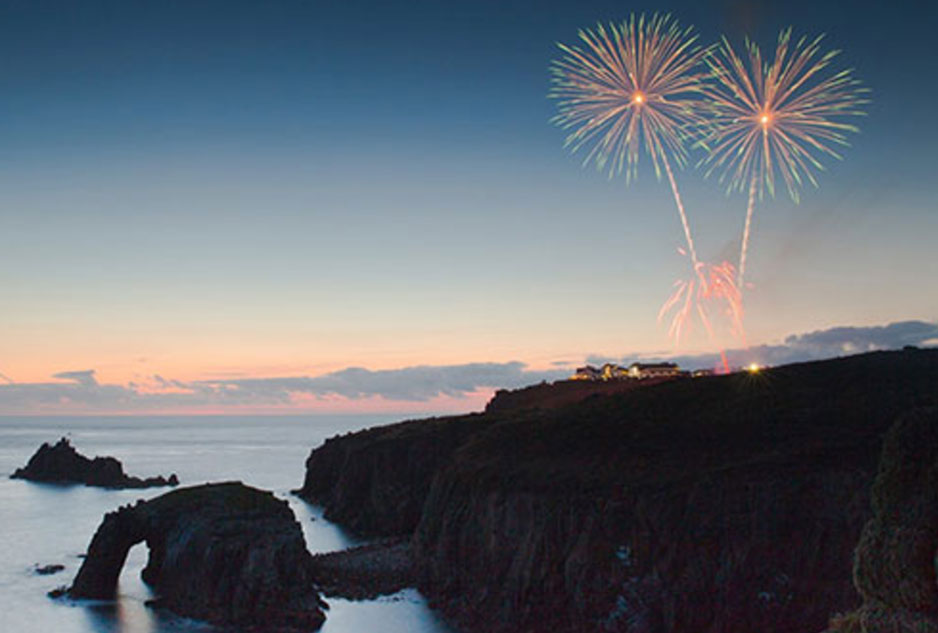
653,370
587,372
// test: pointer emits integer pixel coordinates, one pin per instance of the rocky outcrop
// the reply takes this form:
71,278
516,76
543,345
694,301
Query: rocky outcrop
223,553
725,505
61,463
48,570
896,558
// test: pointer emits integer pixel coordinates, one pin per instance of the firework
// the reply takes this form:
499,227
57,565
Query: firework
711,284
779,118
633,84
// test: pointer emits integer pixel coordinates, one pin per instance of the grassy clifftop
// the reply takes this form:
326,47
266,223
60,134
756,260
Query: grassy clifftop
679,428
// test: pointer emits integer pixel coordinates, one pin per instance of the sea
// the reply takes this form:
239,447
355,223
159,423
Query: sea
46,524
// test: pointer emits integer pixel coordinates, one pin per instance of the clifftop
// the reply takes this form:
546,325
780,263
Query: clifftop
564,392
684,427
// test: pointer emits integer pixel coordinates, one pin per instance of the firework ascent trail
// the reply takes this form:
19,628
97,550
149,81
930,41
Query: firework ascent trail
780,117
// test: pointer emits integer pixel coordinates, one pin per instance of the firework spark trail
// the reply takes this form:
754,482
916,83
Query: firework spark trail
747,227
680,209
711,285
721,286
633,82
780,117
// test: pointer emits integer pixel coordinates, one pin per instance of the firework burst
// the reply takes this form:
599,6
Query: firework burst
778,118
633,84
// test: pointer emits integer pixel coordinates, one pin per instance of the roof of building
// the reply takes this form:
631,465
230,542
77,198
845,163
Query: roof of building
654,365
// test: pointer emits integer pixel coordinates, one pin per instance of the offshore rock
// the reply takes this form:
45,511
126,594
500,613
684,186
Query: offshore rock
48,570
224,553
895,560
61,463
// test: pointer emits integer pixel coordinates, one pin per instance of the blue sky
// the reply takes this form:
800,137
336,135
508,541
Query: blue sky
198,189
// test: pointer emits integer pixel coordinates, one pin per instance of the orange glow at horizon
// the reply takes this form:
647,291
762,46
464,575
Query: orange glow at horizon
119,358
299,404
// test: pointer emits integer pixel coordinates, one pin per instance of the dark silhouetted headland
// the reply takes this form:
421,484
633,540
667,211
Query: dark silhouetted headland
720,504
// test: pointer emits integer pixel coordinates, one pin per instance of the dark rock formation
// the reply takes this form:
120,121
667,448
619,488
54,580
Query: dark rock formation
61,463
48,570
223,553
365,572
731,504
895,560
375,482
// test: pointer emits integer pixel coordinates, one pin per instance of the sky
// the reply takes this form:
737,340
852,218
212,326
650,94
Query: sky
306,203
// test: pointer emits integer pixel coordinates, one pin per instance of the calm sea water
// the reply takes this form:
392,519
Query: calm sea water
42,524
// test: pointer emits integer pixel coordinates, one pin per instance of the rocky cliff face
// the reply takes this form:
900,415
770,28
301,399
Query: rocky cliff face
223,553
725,504
375,482
734,549
61,463
897,556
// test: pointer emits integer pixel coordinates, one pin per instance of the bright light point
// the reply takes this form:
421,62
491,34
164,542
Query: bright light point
765,119
753,368
638,97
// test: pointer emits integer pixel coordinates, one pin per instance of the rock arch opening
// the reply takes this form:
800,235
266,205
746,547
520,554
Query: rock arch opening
100,573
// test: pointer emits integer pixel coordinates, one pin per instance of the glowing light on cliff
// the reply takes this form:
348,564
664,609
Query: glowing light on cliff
776,118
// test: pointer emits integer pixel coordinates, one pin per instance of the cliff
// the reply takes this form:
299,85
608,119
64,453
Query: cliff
224,553
375,482
721,504
895,560
61,463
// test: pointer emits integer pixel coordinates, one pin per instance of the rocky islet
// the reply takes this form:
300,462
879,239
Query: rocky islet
61,463
223,553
